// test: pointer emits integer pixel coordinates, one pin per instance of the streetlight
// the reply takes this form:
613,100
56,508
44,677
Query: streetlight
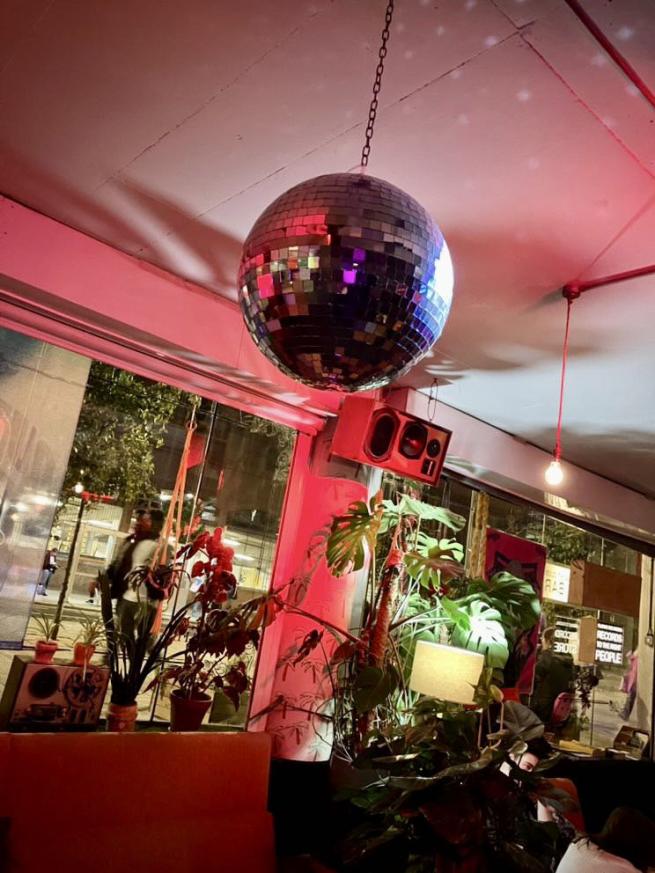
78,488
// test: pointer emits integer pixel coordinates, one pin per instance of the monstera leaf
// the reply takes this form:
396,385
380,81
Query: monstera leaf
410,506
434,561
485,633
443,548
353,536
514,598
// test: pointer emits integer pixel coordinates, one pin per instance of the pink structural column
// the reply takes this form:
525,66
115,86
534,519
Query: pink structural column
287,693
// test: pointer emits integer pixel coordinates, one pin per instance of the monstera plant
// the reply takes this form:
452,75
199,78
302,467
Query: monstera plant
416,590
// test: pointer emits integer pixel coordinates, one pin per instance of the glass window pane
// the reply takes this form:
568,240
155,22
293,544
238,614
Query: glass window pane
126,452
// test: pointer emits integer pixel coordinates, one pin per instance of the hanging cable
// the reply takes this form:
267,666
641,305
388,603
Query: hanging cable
377,85
565,353
433,399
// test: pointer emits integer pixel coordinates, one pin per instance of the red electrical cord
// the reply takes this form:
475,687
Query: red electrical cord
565,355
573,289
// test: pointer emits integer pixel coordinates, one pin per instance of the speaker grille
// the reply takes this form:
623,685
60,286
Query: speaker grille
382,435
412,440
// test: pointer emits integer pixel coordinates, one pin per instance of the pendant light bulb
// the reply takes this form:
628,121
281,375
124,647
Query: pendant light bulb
554,474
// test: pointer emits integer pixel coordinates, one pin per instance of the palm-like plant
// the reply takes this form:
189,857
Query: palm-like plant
47,627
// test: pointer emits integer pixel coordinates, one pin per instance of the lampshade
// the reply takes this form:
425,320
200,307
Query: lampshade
445,672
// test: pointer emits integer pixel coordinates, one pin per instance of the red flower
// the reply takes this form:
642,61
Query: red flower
214,543
223,558
181,629
199,544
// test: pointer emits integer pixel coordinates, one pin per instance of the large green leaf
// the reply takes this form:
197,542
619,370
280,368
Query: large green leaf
420,783
373,686
485,634
460,617
435,548
514,598
410,506
434,561
352,538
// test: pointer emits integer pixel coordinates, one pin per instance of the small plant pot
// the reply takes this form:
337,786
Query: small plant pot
187,713
82,654
121,719
44,651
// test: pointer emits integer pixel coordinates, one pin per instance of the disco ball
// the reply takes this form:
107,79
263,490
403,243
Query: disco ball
345,282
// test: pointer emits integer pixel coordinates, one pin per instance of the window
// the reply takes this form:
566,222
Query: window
110,440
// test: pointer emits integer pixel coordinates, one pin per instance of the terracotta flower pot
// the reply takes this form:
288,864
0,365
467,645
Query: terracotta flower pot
121,719
44,651
82,654
187,713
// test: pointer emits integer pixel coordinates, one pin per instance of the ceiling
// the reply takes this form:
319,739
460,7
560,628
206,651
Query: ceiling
165,128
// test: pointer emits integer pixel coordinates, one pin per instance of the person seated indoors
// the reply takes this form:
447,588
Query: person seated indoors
625,845
537,750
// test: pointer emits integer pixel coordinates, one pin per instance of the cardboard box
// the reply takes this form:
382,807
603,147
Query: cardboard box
598,587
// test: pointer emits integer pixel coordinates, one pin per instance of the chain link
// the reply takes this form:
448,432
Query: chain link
377,85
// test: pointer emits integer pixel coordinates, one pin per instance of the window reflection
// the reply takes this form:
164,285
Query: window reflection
602,690
127,449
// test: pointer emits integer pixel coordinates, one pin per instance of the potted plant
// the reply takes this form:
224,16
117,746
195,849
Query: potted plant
45,648
216,638
92,631
416,590
131,660
427,794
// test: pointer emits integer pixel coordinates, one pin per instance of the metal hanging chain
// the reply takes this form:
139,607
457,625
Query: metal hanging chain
377,85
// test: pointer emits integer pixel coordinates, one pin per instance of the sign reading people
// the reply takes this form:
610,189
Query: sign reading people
610,644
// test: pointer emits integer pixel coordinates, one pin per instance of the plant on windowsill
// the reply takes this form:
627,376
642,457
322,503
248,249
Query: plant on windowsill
132,659
46,646
92,632
213,632
217,638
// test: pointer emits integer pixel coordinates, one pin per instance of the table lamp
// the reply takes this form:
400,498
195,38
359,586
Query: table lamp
446,672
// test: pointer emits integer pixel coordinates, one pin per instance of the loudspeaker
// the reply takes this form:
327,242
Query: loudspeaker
371,432
47,697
